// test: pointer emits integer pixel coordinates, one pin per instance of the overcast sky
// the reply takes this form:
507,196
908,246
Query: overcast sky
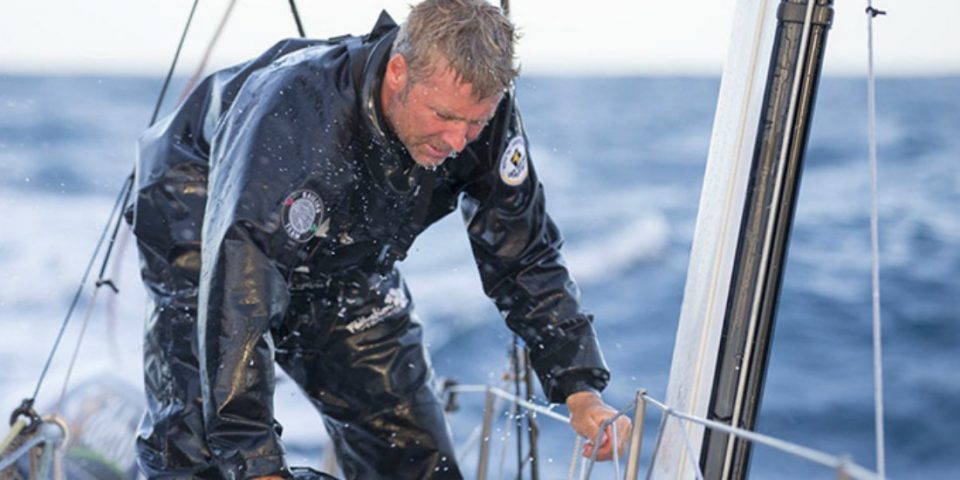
560,36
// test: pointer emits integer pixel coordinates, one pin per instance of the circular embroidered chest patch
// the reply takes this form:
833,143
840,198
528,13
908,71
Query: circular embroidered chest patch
302,214
513,162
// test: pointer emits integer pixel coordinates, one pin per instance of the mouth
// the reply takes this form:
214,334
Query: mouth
436,155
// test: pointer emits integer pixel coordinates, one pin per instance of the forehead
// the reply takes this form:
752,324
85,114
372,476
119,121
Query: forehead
442,88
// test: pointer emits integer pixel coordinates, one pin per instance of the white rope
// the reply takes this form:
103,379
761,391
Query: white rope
656,446
832,461
511,397
835,462
76,348
51,434
601,436
691,452
469,443
474,436
15,430
875,244
20,451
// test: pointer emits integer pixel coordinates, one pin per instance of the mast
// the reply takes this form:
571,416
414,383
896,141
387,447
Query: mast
743,227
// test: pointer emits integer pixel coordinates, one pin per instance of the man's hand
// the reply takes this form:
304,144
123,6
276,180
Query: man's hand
587,412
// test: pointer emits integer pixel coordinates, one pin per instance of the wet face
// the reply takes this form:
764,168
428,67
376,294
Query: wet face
435,117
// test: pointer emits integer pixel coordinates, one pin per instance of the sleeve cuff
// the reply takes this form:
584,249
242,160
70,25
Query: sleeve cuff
573,364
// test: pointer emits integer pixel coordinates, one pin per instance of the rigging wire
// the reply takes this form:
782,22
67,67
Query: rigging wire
111,323
117,210
76,350
116,273
120,204
296,18
875,242
206,53
101,281
128,186
520,354
173,65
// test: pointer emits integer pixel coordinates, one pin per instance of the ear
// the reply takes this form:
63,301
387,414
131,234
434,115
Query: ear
396,75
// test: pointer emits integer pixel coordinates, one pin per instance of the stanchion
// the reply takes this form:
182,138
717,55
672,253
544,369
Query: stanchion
485,436
636,436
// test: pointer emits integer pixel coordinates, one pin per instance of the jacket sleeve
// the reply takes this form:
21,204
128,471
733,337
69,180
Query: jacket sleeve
263,196
517,249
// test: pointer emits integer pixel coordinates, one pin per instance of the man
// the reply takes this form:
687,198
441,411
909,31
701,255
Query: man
311,170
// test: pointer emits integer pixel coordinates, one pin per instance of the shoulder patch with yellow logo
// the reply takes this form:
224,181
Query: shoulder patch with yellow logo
513,162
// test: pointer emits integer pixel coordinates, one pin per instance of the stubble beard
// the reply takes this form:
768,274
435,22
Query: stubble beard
399,125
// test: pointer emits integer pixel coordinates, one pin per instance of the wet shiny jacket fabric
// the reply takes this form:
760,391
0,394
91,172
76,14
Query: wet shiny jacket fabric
279,177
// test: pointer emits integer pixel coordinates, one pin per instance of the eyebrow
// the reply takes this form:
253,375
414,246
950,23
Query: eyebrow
450,116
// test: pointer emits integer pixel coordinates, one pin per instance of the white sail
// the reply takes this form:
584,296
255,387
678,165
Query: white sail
718,225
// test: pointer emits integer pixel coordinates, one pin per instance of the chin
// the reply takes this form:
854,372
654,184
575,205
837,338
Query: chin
429,162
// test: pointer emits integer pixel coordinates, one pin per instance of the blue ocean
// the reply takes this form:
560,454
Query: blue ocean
622,160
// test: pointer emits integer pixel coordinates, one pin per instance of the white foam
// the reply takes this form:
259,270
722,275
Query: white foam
452,290
611,253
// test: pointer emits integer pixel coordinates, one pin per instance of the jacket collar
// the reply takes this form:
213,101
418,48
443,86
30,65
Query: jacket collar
388,160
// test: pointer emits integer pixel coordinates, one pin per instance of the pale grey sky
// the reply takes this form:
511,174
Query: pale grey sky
560,36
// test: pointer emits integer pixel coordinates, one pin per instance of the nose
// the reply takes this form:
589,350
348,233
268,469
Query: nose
456,136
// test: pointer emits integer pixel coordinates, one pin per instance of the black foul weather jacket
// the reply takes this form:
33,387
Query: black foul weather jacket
281,176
